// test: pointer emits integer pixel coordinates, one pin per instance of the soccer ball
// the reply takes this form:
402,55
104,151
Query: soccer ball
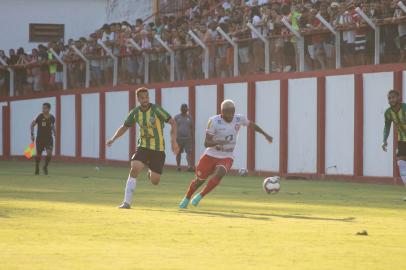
242,172
272,184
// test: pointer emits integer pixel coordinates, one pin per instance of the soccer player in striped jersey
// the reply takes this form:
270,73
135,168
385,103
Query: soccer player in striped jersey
151,119
396,113
221,138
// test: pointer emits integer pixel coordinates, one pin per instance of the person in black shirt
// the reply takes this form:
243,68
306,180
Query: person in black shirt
44,140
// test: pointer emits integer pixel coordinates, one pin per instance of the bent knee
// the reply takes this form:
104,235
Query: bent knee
221,171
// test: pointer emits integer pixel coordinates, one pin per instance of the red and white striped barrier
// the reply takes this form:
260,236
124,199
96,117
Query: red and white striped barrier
325,124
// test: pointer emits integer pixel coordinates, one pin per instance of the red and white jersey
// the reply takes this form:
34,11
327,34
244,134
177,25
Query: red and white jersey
221,130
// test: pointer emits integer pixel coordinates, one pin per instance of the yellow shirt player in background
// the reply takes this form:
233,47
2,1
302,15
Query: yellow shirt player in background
151,119
396,113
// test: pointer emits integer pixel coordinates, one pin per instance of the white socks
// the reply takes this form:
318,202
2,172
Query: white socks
129,189
402,170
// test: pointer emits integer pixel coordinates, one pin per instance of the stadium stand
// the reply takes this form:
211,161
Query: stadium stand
38,70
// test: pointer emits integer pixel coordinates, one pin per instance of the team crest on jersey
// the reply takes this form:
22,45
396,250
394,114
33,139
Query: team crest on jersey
237,127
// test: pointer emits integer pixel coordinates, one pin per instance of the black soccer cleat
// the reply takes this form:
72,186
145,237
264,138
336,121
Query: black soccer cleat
45,169
124,205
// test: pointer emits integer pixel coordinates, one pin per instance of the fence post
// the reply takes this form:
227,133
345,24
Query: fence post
377,31
300,42
115,60
11,71
235,47
266,45
206,53
172,55
337,38
87,73
64,69
146,59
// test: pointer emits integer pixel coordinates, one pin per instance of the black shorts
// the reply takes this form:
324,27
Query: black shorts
155,160
348,48
401,149
42,145
185,145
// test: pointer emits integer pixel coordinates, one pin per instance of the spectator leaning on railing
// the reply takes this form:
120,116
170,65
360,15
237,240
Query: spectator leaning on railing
39,70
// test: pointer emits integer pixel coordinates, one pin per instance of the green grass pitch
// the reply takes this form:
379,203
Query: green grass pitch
69,220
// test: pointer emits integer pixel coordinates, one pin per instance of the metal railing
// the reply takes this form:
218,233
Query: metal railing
201,58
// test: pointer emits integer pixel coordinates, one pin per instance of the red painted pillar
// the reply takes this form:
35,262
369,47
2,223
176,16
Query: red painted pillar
321,126
192,112
251,132
58,126
158,96
6,131
78,115
220,96
398,86
359,126
131,105
102,126
283,148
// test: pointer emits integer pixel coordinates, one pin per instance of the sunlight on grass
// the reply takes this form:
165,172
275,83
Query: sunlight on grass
69,220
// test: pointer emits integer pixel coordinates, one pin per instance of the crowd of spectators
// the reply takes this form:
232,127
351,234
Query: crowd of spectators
39,70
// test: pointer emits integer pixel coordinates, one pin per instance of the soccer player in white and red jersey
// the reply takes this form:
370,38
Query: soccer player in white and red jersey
221,138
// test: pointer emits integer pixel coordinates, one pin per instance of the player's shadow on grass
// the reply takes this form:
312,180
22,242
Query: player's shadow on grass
255,216
263,216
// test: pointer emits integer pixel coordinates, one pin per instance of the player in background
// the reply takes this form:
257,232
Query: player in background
151,119
220,141
396,113
184,136
44,140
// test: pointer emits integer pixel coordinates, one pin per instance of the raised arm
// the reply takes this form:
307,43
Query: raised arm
120,131
260,130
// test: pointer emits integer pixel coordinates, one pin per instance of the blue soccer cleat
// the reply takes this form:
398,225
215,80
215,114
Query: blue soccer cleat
184,203
196,199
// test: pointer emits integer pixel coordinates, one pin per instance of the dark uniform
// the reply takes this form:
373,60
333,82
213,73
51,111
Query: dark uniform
44,139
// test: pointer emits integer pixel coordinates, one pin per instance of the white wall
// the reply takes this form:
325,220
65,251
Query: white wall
128,10
90,125
302,126
81,18
376,87
68,126
268,117
172,98
239,94
339,124
152,97
116,112
22,113
204,110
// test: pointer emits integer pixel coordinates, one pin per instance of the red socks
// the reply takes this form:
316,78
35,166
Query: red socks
210,185
194,185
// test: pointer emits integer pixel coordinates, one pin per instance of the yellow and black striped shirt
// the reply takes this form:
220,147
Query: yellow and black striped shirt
151,123
399,119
